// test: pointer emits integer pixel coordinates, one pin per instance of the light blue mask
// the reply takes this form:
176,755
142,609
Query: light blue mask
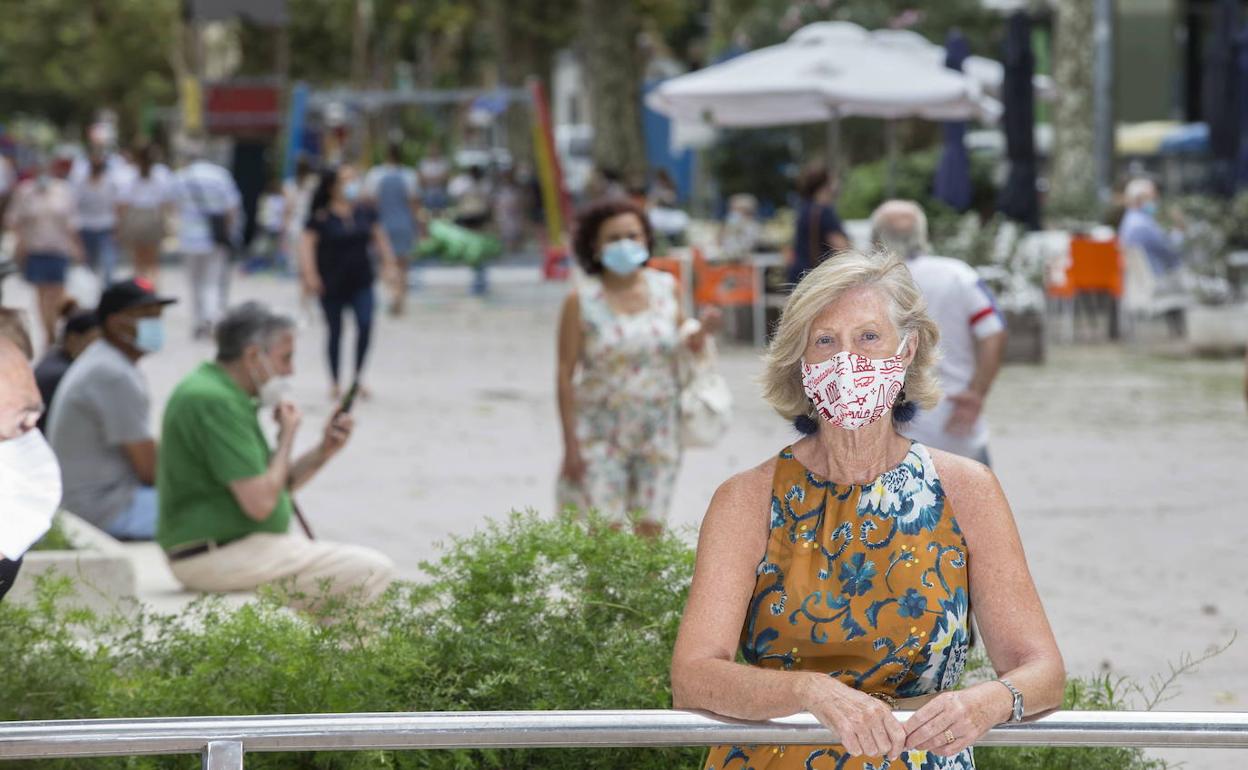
351,190
625,256
149,335
1149,208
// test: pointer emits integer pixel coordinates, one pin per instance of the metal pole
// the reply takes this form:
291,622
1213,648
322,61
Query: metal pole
833,138
565,729
1103,98
222,755
890,142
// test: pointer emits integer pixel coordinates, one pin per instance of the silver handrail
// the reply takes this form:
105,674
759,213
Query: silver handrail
222,741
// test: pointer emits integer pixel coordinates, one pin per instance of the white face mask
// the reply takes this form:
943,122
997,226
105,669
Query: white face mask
850,391
30,492
274,389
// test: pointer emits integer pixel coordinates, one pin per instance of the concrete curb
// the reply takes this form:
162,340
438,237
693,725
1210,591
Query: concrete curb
101,570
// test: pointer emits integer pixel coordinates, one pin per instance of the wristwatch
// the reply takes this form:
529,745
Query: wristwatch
1016,714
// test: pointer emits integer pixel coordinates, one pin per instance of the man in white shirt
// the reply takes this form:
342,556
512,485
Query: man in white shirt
209,207
972,333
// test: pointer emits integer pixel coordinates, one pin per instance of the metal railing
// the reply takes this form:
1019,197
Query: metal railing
222,741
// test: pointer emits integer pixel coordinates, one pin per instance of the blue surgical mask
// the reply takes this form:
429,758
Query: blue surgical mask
351,190
625,256
149,335
1149,208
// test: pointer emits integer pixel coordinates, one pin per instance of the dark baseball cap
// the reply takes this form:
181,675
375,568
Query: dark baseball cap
137,292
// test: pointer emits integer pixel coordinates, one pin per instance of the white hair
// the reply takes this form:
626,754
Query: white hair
1138,190
900,226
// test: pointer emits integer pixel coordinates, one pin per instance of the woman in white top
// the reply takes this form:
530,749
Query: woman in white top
97,218
144,206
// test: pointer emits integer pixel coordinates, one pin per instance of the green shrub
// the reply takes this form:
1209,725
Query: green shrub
526,614
866,186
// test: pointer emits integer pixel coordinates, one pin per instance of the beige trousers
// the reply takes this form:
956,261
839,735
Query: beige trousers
264,557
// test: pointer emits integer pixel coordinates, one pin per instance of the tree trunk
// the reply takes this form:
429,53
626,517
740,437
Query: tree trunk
613,72
1072,173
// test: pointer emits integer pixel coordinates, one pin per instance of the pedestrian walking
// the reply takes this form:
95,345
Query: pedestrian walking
144,206
43,217
98,197
336,265
209,213
298,191
618,386
393,188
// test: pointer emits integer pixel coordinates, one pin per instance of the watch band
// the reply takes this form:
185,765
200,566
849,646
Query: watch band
1016,713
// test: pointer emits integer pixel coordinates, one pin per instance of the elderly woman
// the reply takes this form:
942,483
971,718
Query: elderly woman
617,374
847,566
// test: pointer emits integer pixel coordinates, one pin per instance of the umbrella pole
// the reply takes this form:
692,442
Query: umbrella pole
890,142
833,139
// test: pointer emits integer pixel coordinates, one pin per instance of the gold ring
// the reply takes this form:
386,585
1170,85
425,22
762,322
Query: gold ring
949,738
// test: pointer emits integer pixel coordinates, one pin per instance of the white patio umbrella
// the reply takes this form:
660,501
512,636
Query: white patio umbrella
824,72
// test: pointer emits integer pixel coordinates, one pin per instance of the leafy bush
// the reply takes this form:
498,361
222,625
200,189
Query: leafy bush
527,614
866,186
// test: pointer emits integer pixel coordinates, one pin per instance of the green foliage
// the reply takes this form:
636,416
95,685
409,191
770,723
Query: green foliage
756,162
64,59
866,185
1098,693
526,614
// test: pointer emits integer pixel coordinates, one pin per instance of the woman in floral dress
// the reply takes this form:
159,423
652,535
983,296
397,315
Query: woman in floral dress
617,376
845,568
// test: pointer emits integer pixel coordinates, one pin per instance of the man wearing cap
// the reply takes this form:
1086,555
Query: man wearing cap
100,424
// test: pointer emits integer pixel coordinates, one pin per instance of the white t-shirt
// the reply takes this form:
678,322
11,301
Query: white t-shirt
202,188
151,192
965,311
97,203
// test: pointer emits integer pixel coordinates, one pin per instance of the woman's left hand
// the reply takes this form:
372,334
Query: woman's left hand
711,319
963,714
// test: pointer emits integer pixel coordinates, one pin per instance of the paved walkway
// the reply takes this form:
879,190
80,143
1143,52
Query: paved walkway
1126,473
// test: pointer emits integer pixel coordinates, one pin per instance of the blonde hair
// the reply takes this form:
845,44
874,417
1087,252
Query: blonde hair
840,273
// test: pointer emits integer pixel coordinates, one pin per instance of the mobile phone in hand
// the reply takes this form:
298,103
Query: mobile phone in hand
349,399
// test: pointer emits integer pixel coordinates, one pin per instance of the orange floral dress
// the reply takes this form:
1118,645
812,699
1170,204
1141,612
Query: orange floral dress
866,583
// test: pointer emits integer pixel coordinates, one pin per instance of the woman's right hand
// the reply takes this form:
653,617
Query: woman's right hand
865,725
573,464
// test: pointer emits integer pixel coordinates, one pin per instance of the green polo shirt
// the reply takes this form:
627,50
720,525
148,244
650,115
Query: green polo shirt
209,439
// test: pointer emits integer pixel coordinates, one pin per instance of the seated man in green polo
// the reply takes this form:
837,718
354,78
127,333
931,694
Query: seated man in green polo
225,508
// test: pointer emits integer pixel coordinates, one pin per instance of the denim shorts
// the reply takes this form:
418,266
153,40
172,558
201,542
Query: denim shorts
44,268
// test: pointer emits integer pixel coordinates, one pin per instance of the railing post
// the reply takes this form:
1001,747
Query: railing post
222,755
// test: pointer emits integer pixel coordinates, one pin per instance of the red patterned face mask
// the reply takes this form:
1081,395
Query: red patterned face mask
850,391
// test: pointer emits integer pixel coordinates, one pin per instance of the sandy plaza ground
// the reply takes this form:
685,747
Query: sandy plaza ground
1127,472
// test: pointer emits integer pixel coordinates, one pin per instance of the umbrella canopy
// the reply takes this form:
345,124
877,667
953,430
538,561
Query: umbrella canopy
1018,198
989,74
953,175
825,71
1220,94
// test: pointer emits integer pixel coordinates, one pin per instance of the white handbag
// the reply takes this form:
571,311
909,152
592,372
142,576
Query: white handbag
705,399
